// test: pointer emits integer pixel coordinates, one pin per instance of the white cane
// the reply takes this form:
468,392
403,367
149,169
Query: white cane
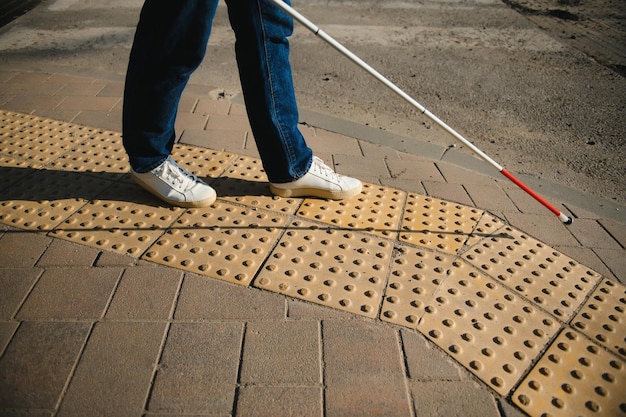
346,52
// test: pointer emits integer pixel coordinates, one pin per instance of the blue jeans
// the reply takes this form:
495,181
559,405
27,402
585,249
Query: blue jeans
170,43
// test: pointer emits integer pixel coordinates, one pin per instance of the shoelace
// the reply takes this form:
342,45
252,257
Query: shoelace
177,175
324,170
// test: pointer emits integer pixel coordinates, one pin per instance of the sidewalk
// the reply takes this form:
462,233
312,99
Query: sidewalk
439,291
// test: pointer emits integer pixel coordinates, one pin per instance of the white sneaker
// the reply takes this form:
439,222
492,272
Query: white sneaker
175,185
321,181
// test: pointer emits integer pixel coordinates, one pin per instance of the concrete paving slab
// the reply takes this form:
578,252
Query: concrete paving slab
7,330
71,294
145,293
202,297
591,234
259,401
63,254
446,191
616,230
452,398
22,250
416,170
115,370
282,353
16,283
38,363
364,372
198,370
614,260
422,361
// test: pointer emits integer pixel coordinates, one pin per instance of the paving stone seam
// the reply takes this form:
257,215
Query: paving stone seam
405,372
73,369
598,222
25,297
608,266
157,366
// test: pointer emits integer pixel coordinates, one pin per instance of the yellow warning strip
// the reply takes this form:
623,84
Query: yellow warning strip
533,324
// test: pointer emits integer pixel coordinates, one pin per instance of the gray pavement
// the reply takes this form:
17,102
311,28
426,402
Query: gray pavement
92,332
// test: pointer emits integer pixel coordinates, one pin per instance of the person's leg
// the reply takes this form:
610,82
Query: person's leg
262,51
170,43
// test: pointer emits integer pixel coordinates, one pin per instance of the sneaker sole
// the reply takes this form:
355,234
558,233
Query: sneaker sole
186,204
315,192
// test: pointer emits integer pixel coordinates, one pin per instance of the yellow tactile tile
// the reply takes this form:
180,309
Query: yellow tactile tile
493,332
553,281
376,210
488,226
416,274
245,182
603,317
36,139
224,241
437,224
46,198
102,152
337,268
575,377
205,163
123,219
13,170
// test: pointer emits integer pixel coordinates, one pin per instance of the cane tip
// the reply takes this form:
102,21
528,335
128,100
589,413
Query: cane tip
565,219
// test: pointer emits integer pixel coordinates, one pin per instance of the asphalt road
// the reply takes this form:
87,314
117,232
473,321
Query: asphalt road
537,84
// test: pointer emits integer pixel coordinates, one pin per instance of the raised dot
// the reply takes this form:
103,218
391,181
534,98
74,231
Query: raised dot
455,349
390,314
497,382
557,402
593,406
508,368
576,374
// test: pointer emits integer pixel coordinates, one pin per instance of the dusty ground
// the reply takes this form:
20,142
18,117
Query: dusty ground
537,84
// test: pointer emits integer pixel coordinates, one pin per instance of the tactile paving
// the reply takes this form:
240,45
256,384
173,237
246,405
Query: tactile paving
337,268
493,332
124,219
575,377
415,276
603,317
376,210
437,224
223,241
46,198
245,182
102,152
489,295
205,163
488,226
553,281
13,170
37,139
